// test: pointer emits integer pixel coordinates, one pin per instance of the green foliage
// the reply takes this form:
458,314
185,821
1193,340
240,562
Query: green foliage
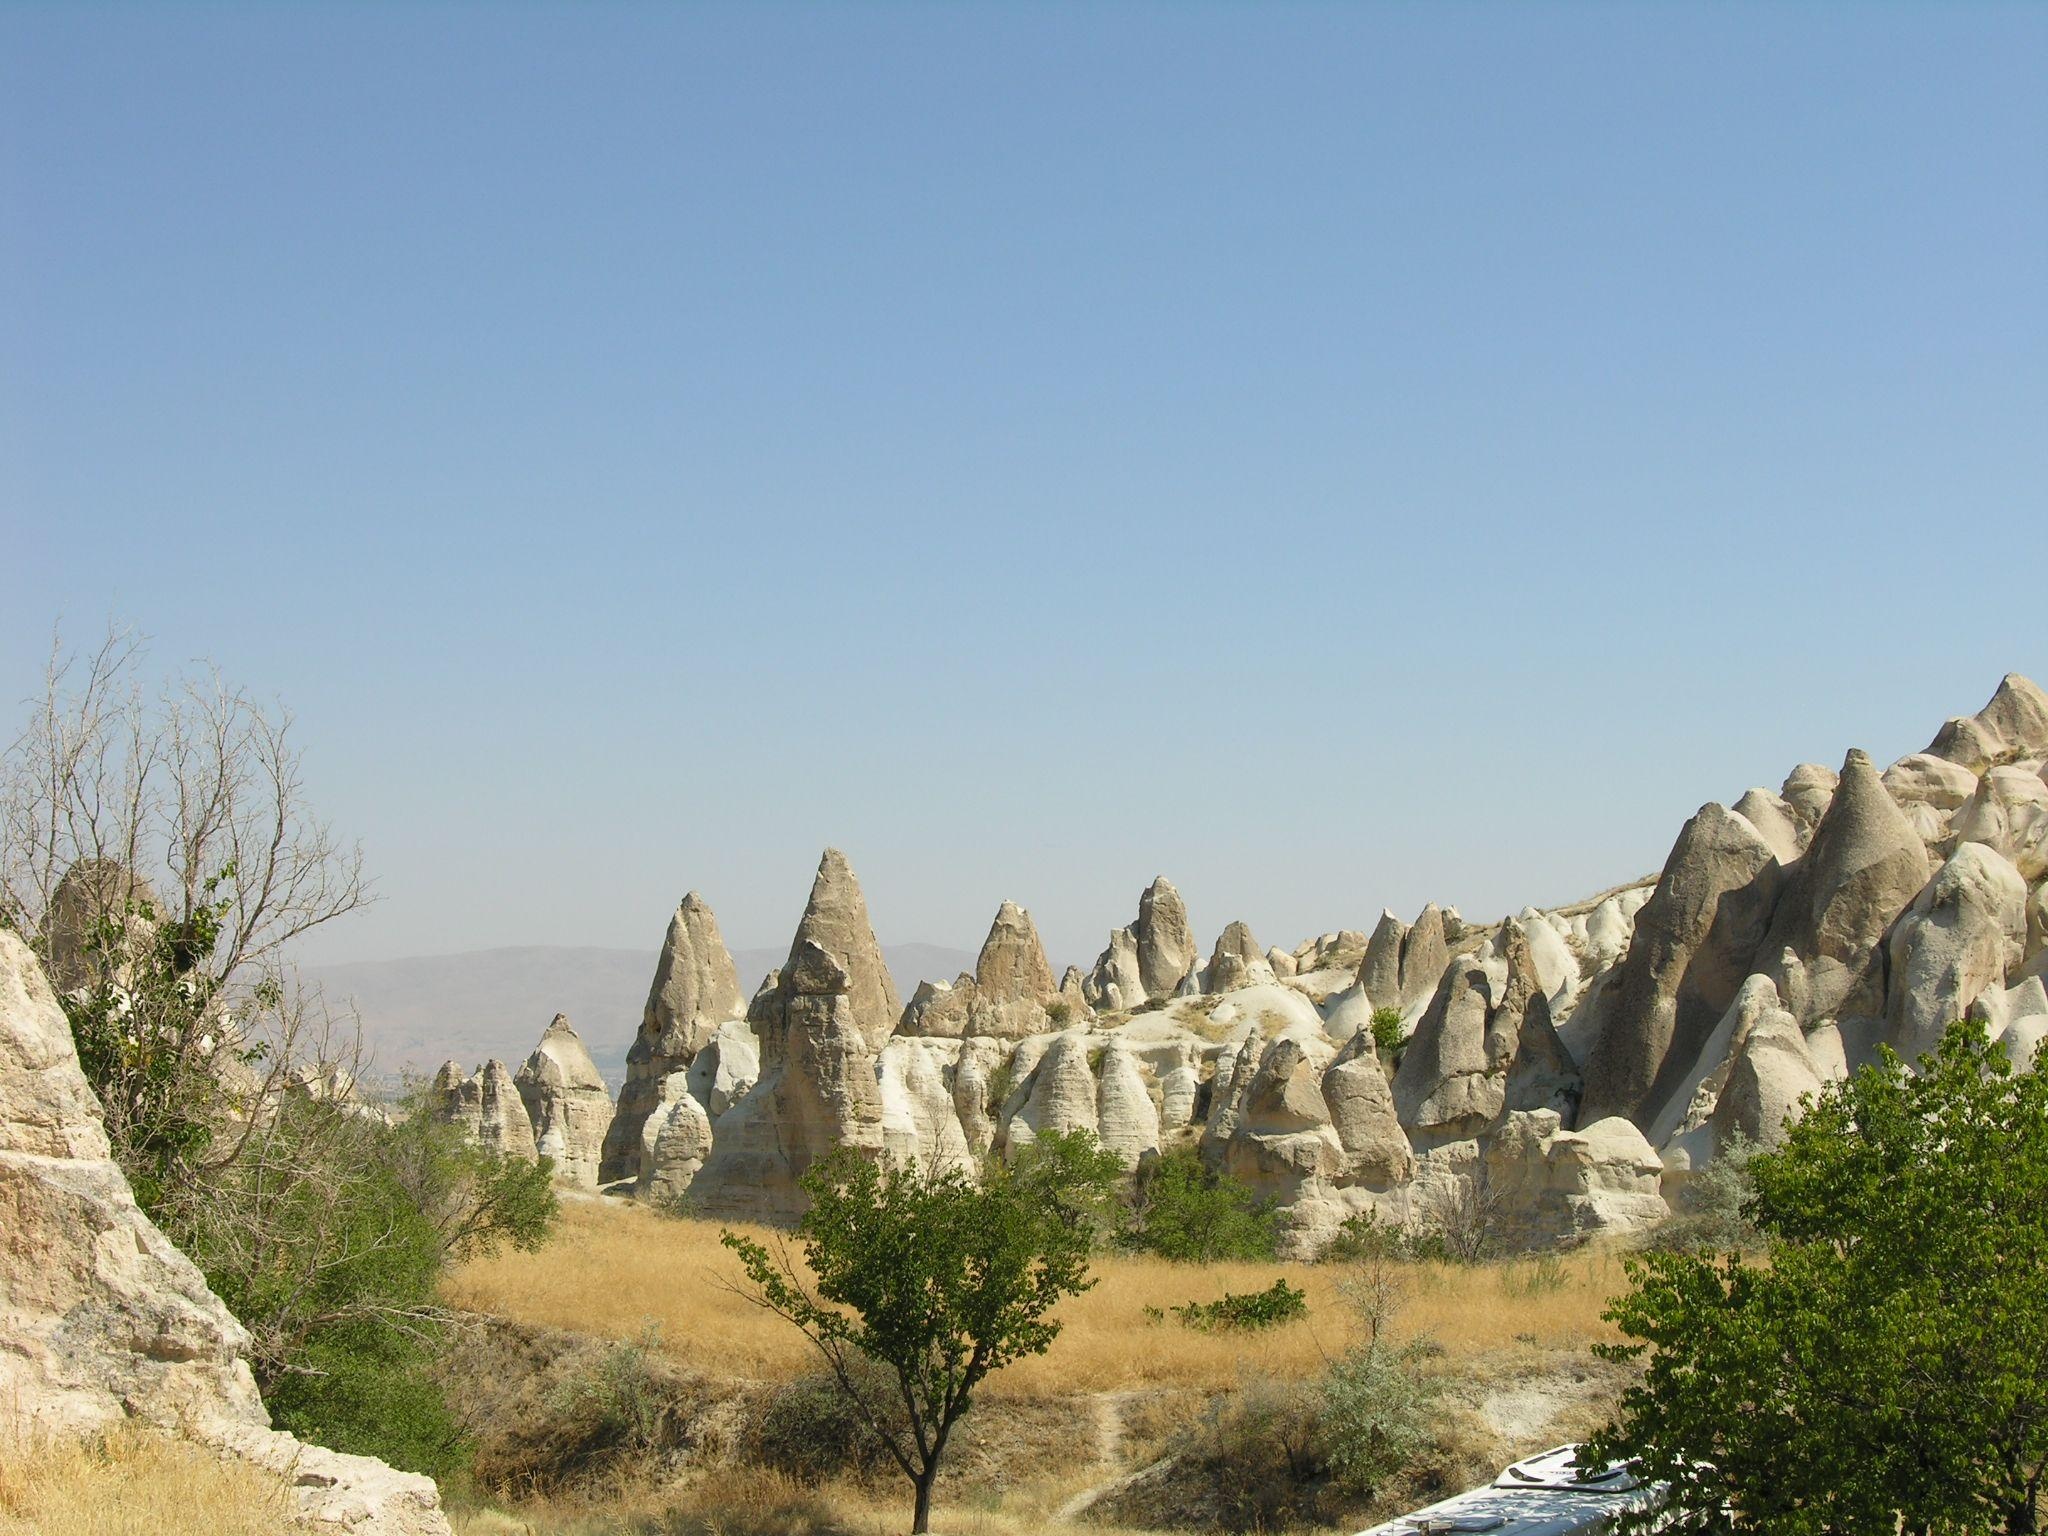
1378,1414
1714,1210
1386,1031
810,1431
1190,1213
1073,1177
1245,1310
1887,1367
929,1276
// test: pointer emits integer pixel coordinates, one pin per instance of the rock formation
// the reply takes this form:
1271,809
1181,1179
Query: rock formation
1148,960
101,1319
567,1104
1961,935
1236,961
487,1106
695,991
2013,725
1009,995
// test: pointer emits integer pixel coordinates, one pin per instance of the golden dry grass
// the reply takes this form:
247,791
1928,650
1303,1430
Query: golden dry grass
614,1268
133,1482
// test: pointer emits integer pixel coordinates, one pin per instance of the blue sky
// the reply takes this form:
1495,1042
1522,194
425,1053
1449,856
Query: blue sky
1335,456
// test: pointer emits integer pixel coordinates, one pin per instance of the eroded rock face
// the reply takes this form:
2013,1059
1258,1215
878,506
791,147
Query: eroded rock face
567,1103
1116,984
102,1319
1236,961
1447,1087
1166,944
1548,1183
695,990
1964,931
2007,811
1362,1113
487,1106
1865,864
2013,725
1695,940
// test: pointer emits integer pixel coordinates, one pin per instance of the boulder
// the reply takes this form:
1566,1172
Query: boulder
695,990
1695,939
1923,779
102,1319
1963,932
2013,725
1864,865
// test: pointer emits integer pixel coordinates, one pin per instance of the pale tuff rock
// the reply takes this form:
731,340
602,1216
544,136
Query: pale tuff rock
1923,779
1770,1080
1540,1071
1964,931
487,1106
1236,961
1690,1103
2013,725
835,920
1610,926
695,990
1361,1106
920,1124
1343,950
1447,1088
1808,790
975,1079
1782,831
1012,965
1379,973
1166,944
827,1093
1060,1095
1545,1182
1234,1072
726,1068
1116,985
1864,865
2008,811
675,1141
1347,1013
1008,996
566,1102
1425,951
1695,939
2017,1018
1126,1119
2037,924
1072,983
1282,962
102,1319
1281,1137
939,1009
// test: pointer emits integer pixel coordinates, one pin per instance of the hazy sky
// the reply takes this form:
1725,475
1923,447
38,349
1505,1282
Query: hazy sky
1333,456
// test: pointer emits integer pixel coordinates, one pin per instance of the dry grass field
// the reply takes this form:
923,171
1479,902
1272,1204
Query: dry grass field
133,1483
613,1269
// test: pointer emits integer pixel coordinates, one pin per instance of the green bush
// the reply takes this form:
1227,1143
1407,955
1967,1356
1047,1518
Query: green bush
1246,1310
1386,1031
1377,1417
810,1430
1713,1208
1190,1213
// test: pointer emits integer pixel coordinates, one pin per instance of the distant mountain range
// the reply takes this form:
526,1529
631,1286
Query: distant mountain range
423,1010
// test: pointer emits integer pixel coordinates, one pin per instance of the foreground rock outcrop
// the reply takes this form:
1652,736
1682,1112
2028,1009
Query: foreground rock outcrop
102,1319
1555,1074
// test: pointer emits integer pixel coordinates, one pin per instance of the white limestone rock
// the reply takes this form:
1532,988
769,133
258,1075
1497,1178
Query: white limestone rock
1963,932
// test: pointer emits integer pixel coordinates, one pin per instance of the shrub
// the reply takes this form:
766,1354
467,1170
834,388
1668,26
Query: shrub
1246,1310
1713,1215
1363,1236
809,1430
1377,1415
1386,1031
1190,1213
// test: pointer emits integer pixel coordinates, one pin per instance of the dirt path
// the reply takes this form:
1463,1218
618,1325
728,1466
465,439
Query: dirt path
1107,1411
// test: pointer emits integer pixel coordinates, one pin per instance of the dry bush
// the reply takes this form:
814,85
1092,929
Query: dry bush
1106,1344
133,1482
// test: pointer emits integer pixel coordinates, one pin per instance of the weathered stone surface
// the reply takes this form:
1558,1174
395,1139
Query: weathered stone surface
695,990
939,1009
1548,1184
835,921
92,892
1362,1113
1692,1097
2008,811
487,1107
1923,779
1126,1119
1808,790
1770,1078
1008,996
102,1319
1236,961
567,1103
1012,966
1284,964
1447,1087
1115,984
920,1125
1060,1094
1425,951
1543,1074
1166,944
675,1141
1864,865
1282,1138
1963,932
2013,725
1775,822
1379,973
1695,939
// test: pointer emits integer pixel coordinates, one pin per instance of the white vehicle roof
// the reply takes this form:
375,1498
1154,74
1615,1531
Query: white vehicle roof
1546,1495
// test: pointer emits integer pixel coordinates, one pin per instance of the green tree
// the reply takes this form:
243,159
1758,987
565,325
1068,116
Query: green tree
932,1277
1386,1031
1886,1367
1190,1213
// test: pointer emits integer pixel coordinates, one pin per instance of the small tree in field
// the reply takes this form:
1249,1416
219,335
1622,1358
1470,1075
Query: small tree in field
1887,1368
935,1279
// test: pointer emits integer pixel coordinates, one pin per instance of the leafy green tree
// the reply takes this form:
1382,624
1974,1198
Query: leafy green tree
1192,1214
932,1277
1077,1179
1886,1368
